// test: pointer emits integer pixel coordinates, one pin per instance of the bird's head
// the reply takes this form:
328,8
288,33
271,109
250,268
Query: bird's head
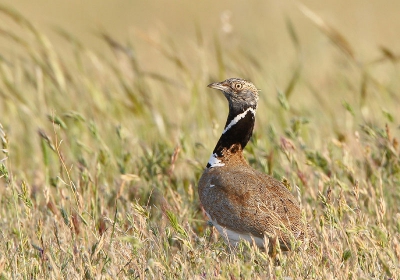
239,92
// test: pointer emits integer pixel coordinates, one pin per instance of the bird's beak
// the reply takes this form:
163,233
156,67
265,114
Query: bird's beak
220,86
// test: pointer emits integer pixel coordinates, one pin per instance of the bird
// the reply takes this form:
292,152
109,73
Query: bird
241,202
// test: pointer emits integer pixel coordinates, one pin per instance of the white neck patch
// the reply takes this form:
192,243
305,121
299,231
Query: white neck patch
214,161
238,118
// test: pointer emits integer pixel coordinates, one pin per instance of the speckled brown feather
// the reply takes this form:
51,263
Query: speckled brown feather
249,202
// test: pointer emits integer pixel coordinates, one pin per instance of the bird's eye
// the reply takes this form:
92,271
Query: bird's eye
238,86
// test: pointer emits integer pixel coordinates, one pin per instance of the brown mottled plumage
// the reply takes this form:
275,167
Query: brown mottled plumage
241,202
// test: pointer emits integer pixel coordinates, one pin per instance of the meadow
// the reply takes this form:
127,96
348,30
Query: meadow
102,148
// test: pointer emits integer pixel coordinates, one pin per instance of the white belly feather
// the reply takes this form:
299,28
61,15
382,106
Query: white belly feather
233,237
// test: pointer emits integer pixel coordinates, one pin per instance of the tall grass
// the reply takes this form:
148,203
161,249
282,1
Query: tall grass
100,160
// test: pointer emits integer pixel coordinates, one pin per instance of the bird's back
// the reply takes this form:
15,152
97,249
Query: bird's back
247,201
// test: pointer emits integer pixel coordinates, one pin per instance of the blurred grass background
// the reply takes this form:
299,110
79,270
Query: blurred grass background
106,125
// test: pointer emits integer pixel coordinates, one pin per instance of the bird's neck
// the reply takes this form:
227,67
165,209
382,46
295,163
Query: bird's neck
238,130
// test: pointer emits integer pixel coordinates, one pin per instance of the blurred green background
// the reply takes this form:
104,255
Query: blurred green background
257,25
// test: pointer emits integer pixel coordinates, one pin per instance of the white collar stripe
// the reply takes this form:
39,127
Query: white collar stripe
238,118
